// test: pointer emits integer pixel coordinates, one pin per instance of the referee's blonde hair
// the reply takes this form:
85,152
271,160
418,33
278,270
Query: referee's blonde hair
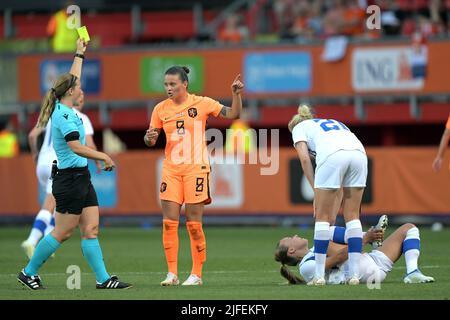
303,113
59,90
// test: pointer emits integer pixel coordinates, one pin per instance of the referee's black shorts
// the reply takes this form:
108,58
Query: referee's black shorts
73,190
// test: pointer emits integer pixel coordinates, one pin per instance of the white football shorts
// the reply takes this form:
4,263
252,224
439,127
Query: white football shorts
344,168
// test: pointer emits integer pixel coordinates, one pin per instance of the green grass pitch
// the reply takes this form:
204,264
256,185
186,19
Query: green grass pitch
239,266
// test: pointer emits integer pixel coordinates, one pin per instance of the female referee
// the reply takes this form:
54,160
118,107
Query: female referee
185,175
45,221
76,200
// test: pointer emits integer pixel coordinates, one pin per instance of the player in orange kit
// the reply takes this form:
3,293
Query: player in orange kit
437,163
185,174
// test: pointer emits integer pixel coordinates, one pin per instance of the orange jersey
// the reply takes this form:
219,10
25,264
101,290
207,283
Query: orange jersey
448,123
184,126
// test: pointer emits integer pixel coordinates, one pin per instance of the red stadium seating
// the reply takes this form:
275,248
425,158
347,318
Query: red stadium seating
171,25
160,25
130,119
408,27
114,29
409,5
30,26
434,113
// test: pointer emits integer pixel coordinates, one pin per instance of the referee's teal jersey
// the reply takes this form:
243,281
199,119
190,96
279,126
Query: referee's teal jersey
65,121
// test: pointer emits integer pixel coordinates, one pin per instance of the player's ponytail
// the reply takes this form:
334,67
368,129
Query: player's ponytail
186,69
290,276
64,83
282,256
303,113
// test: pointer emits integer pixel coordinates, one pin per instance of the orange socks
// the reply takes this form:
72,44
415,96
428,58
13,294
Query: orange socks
170,242
198,246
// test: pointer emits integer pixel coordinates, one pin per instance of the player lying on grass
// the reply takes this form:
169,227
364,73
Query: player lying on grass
374,265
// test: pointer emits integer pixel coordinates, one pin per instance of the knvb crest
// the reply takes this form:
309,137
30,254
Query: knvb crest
163,187
192,112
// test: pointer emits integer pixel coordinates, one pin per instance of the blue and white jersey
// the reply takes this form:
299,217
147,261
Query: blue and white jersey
47,153
307,269
65,121
307,266
325,137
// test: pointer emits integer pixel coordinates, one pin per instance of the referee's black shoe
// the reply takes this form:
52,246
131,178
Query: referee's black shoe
30,282
113,283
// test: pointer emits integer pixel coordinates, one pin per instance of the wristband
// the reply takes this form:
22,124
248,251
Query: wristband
79,55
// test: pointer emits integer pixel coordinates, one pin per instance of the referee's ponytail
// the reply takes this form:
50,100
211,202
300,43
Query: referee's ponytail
303,113
61,86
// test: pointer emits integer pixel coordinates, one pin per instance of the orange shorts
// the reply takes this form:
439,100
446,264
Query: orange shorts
186,188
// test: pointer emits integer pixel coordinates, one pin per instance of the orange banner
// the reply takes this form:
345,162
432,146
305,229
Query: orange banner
120,73
400,182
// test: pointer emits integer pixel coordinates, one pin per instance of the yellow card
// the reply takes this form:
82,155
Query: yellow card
83,33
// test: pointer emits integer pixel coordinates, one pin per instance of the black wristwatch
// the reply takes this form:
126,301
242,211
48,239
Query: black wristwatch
79,55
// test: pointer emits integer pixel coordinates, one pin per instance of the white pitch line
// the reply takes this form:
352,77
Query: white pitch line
146,273
424,267
209,272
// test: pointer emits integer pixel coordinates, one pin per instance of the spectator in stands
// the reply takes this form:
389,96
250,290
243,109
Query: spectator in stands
354,18
426,17
390,22
302,28
234,30
344,17
437,163
334,19
439,16
63,37
240,138
9,147
285,17
419,57
425,27
307,19
315,18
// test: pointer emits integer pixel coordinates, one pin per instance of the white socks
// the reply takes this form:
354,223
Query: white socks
41,222
321,241
354,234
411,249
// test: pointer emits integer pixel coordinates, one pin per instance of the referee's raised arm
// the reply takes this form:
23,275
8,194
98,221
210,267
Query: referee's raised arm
78,59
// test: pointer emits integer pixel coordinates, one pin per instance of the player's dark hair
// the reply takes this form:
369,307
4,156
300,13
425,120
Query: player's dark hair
60,87
281,255
182,72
